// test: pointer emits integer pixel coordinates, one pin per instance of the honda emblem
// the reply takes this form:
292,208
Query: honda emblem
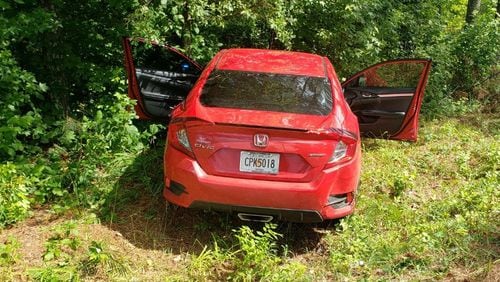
260,140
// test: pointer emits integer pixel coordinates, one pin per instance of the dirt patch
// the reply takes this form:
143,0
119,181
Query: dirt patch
145,224
31,236
487,273
146,265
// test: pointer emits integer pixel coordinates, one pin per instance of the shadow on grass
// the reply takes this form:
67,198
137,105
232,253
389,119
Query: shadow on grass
136,209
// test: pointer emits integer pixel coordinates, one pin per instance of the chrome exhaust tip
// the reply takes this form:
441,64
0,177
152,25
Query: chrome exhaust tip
255,217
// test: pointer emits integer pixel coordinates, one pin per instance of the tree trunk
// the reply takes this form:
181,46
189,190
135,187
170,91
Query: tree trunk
186,29
498,9
472,6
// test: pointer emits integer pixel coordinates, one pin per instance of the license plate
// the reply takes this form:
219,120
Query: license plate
257,162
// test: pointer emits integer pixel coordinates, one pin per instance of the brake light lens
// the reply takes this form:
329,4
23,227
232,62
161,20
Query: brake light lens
183,139
178,138
339,152
343,152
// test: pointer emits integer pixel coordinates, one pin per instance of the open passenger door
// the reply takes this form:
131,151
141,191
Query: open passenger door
387,97
159,77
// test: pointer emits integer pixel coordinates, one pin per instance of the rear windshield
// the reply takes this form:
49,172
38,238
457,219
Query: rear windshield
267,92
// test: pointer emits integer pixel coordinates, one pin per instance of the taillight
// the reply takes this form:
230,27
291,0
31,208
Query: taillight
339,152
178,138
343,151
183,139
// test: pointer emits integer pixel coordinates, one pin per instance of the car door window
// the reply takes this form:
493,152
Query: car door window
160,77
159,58
390,76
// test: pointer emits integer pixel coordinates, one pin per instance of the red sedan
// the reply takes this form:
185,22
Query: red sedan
270,134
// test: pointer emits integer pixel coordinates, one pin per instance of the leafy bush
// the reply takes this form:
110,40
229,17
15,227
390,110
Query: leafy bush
9,252
14,202
476,48
21,127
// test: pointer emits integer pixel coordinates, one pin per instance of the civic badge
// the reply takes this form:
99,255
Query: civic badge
261,140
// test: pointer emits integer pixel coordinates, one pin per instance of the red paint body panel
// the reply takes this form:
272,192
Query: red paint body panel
295,147
260,193
202,156
273,61
304,142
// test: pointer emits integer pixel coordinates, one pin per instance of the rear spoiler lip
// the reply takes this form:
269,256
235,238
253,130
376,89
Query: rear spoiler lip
336,131
263,127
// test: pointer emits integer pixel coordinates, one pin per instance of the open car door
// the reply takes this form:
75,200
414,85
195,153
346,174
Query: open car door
159,77
387,97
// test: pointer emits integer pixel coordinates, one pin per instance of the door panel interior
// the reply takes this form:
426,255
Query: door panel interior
380,111
160,77
383,96
161,90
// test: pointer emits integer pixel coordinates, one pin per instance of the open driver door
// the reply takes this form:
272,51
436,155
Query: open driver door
159,77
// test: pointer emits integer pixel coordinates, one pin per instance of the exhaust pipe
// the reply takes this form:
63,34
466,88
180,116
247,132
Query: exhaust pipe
255,217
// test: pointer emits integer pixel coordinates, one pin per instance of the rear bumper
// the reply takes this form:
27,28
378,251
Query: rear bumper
188,185
280,214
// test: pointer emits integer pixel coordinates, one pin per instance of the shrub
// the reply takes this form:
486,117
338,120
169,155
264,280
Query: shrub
14,203
21,127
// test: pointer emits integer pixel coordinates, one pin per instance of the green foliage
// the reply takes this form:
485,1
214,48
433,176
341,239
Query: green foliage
476,49
201,28
54,274
99,257
8,252
61,245
443,214
88,144
258,257
60,251
63,259
14,203
255,258
257,249
210,263
21,125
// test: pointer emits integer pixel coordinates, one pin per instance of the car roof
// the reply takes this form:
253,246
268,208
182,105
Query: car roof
272,61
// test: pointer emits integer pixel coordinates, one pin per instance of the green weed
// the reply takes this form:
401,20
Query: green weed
8,252
99,257
62,244
14,201
54,274
254,257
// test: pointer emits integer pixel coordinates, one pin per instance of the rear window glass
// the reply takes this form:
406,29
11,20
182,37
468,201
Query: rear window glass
267,92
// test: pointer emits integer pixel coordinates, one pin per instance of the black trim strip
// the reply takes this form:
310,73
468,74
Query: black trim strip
280,214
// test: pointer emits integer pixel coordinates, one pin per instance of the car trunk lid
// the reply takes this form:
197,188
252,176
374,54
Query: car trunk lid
295,145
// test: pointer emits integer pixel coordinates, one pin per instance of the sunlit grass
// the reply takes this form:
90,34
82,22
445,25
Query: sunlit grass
426,210
423,208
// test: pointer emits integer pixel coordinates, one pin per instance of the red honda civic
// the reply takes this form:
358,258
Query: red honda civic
270,134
